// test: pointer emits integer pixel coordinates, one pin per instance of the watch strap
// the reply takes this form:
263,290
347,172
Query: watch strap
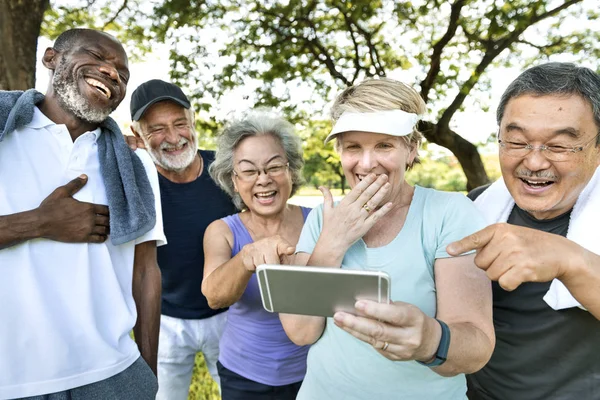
441,353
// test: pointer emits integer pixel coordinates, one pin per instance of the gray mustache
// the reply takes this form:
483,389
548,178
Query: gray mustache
525,173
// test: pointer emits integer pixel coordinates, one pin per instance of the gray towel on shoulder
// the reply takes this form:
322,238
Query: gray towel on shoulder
130,196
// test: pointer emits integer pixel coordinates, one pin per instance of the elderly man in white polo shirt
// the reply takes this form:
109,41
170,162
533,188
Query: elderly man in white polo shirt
79,223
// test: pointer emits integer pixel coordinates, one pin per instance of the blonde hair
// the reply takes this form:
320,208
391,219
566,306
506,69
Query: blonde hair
382,94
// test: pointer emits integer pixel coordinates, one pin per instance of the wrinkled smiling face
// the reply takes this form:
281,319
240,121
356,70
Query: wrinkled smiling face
364,153
90,79
169,136
545,188
264,194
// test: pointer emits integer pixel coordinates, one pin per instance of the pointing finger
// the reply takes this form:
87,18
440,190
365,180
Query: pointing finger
472,242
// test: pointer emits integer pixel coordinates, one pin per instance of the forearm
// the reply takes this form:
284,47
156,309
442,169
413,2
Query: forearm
470,349
327,253
20,227
226,284
583,280
147,295
302,329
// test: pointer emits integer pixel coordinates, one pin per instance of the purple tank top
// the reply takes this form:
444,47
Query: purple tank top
254,344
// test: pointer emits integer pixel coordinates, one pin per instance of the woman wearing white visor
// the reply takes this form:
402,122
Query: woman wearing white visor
440,324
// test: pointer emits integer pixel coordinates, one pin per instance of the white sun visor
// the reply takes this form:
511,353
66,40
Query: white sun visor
388,122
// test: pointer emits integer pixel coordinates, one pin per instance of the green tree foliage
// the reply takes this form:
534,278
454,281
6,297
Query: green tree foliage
326,45
322,163
299,53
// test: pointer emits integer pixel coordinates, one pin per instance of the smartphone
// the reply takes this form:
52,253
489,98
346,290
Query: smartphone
319,291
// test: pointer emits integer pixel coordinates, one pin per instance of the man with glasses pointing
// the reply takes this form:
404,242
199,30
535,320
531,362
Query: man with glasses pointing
542,249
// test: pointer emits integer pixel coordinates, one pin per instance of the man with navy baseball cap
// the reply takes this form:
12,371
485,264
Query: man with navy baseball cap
163,120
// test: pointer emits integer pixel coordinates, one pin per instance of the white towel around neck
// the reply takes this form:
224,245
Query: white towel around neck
496,204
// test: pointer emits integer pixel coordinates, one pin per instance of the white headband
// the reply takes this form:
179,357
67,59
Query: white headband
389,122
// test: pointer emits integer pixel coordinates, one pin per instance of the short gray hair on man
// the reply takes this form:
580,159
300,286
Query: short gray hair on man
255,123
559,79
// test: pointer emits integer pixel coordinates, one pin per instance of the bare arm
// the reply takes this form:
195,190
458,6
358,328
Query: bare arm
226,278
401,331
146,293
302,329
582,277
18,228
59,217
464,303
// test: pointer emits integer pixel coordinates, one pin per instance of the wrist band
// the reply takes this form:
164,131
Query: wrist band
441,353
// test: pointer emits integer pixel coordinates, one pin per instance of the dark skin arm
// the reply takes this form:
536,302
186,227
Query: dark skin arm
59,217
146,293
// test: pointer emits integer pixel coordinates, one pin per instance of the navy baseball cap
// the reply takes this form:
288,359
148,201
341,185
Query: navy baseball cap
152,92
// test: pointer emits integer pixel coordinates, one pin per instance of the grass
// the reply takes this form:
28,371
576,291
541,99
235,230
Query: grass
312,191
203,387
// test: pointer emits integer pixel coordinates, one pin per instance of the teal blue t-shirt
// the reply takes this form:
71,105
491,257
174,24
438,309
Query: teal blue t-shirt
343,367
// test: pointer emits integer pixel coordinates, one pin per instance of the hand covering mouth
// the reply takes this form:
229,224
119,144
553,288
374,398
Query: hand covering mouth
99,86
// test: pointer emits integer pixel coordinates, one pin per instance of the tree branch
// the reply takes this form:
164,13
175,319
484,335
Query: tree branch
554,11
356,59
542,48
436,55
373,53
494,48
110,21
314,45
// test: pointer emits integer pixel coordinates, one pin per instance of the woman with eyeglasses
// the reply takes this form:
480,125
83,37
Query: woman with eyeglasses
258,163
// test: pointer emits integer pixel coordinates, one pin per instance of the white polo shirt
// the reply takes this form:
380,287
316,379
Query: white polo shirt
66,310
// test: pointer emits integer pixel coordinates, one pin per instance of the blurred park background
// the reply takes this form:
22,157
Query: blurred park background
296,55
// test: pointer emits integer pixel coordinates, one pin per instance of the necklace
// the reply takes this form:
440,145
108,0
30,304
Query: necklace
200,166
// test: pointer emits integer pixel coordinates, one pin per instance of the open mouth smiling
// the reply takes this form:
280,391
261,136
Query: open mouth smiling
100,87
536,184
266,195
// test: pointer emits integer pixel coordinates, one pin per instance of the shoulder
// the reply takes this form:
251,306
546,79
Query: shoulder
23,102
444,206
8,98
314,217
146,160
218,227
217,231
433,197
475,193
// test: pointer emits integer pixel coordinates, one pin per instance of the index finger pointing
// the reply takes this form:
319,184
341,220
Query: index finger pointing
474,241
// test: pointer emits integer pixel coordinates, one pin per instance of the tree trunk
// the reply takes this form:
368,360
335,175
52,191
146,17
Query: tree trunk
465,152
20,23
342,179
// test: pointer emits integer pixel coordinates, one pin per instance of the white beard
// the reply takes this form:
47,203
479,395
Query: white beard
174,163
71,99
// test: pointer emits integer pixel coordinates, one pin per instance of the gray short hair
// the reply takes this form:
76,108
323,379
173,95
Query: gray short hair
556,78
255,123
